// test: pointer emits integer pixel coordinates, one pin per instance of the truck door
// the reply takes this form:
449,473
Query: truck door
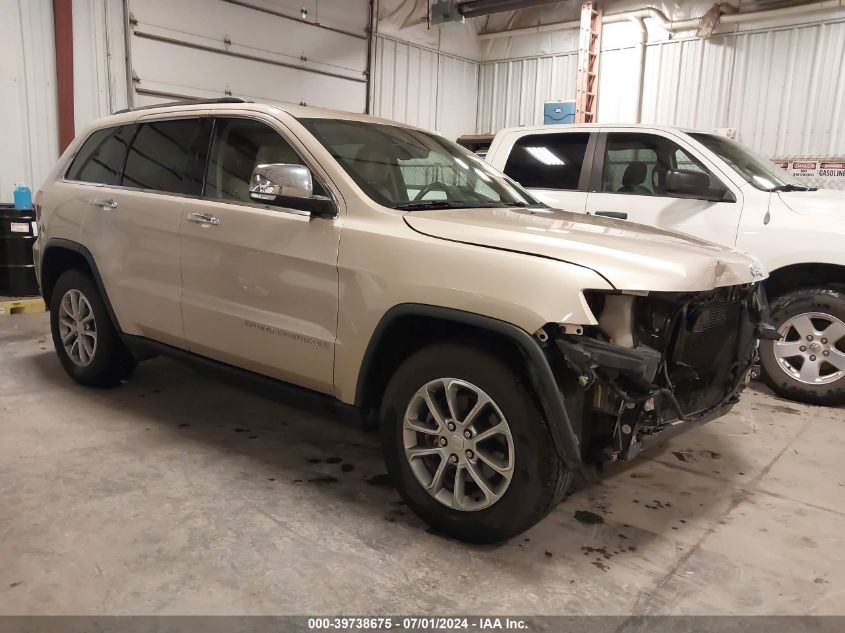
652,178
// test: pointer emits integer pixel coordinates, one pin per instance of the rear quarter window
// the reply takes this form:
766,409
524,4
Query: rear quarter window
101,157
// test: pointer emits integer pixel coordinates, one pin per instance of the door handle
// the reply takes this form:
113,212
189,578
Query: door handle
203,218
106,204
619,215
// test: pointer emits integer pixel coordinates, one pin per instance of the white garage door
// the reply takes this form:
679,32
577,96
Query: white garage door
272,50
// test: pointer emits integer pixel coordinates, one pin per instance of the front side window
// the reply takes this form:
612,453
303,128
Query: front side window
548,161
760,172
237,147
403,168
637,164
168,156
101,157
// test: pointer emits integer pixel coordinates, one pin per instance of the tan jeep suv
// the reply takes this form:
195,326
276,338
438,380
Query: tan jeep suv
504,345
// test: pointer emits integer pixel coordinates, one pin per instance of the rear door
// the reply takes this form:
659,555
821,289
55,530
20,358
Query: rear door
629,182
260,285
552,166
136,179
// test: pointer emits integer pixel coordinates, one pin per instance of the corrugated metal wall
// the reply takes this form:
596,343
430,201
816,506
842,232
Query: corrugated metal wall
782,89
512,92
424,87
28,113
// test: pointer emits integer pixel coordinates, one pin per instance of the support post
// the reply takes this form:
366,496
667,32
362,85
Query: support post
63,35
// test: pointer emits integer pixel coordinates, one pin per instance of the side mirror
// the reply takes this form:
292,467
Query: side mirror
688,182
288,185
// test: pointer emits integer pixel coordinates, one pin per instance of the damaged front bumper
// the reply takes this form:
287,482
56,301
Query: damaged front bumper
679,360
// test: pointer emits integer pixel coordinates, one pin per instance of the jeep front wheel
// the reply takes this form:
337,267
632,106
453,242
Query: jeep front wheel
466,446
808,362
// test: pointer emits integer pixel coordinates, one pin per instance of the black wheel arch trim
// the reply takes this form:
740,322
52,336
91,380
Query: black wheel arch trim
58,242
539,370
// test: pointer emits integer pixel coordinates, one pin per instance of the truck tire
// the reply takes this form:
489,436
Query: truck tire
467,447
808,363
84,336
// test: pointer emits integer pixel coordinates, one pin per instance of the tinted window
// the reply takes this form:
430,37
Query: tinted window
101,157
548,161
238,146
168,156
637,164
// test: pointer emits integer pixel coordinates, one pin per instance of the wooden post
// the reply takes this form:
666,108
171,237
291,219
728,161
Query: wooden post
63,32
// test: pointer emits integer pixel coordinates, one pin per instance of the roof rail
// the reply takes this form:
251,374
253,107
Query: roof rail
186,102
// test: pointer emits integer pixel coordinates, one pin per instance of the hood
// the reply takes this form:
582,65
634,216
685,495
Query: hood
826,202
630,256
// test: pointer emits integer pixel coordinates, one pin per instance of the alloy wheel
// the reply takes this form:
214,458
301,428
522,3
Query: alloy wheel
812,348
77,328
458,444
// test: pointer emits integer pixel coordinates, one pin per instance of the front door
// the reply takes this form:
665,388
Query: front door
259,283
631,184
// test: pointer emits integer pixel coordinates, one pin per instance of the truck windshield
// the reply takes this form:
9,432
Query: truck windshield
409,169
755,169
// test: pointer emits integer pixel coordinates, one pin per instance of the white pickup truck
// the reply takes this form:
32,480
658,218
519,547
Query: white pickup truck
713,188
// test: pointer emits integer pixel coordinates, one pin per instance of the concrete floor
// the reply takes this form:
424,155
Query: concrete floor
177,493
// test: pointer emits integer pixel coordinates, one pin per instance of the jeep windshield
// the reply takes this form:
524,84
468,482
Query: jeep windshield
755,169
408,169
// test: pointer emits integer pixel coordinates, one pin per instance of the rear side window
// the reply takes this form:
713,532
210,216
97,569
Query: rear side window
100,159
548,161
168,156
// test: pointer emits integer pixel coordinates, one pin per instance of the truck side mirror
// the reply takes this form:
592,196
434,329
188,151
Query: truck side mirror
688,182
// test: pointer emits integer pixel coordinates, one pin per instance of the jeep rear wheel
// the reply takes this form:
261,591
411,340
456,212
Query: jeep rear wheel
466,446
86,342
808,362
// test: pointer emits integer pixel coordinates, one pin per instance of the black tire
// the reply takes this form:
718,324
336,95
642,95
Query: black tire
111,362
788,306
539,479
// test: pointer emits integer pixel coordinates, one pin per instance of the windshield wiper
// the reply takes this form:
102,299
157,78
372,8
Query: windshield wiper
433,204
449,204
791,187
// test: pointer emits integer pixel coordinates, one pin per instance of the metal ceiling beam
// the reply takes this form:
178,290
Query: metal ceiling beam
477,8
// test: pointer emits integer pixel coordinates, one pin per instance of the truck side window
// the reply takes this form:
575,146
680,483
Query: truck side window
637,163
548,161
237,147
101,157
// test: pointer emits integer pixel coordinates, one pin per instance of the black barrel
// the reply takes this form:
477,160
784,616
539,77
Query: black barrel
17,234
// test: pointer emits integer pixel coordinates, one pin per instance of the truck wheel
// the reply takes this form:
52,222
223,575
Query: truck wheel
83,334
466,446
808,363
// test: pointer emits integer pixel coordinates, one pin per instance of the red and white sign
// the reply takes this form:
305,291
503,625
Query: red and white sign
825,173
